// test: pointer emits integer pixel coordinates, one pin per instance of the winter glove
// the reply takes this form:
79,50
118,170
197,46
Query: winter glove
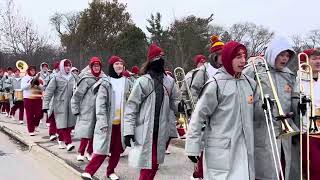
127,140
7,89
194,159
265,100
44,110
181,106
77,114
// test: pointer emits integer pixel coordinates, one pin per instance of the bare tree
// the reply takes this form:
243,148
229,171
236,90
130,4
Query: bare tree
313,38
17,34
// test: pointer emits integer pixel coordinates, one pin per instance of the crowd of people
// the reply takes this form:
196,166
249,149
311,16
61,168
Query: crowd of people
227,135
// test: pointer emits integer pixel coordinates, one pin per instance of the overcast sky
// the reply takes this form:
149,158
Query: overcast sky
285,17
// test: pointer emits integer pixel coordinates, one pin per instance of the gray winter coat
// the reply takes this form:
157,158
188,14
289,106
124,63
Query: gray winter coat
16,84
226,107
7,83
60,89
139,117
200,78
83,104
105,113
284,81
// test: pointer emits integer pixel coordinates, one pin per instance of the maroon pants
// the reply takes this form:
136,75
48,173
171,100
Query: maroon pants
149,174
6,107
65,135
53,127
18,105
115,150
34,113
314,156
84,142
198,168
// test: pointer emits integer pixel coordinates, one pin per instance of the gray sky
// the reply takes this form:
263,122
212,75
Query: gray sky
282,16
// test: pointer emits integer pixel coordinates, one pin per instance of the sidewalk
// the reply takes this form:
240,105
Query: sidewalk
176,166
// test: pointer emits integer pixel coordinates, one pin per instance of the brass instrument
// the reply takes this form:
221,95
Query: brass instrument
306,99
18,95
22,66
287,130
179,75
35,89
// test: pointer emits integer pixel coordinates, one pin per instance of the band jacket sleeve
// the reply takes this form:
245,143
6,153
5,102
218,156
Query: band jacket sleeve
49,92
202,113
25,83
103,105
175,97
78,96
200,78
133,106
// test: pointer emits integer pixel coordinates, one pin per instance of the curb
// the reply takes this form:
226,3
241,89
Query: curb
38,149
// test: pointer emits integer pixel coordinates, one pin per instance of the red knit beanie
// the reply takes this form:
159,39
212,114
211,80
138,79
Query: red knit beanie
216,44
309,52
229,52
154,52
95,60
56,65
16,70
199,59
114,59
135,69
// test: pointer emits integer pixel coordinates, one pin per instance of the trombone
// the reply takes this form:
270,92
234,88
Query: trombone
306,99
286,129
179,75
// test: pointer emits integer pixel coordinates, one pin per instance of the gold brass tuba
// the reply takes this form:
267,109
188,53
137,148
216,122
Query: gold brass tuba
22,66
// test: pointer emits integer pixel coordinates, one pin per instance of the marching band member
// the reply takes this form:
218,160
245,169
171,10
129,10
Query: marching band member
44,74
208,69
314,141
147,110
173,127
135,72
83,107
111,97
226,107
17,104
32,88
60,88
7,86
278,54
49,113
75,71
1,89
199,78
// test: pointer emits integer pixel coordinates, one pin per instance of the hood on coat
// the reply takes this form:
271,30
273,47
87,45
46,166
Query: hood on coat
41,69
62,70
276,46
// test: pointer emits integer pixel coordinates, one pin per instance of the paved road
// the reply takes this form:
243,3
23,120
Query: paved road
176,166
17,162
